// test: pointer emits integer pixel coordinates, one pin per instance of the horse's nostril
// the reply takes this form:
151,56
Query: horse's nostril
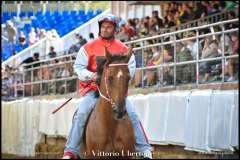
119,116
115,108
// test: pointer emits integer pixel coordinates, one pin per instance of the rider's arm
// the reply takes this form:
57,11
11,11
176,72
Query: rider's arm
132,65
80,66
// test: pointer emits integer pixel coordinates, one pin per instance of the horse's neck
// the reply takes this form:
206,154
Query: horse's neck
104,108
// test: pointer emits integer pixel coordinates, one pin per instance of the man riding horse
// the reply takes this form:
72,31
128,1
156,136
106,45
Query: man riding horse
85,67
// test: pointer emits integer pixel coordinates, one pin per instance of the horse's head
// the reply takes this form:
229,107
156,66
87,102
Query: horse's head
113,79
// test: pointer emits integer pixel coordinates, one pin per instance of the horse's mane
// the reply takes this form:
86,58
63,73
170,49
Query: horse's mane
101,62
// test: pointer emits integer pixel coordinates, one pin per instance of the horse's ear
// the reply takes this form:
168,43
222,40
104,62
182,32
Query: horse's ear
129,53
107,54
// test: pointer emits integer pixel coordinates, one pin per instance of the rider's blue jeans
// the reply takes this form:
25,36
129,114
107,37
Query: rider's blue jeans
84,108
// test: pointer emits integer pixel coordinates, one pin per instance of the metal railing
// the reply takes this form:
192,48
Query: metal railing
197,37
171,66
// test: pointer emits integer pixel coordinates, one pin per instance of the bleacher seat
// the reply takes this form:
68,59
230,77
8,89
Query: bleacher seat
22,14
90,13
73,13
13,14
30,13
81,13
64,22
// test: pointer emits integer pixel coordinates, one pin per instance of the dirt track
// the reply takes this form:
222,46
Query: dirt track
160,152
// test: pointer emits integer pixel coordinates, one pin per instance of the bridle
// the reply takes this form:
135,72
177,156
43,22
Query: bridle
108,98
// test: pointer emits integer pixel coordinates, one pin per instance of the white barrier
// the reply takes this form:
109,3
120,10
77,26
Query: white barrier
203,120
197,119
20,127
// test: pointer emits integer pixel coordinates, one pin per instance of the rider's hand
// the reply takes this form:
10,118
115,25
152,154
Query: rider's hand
94,77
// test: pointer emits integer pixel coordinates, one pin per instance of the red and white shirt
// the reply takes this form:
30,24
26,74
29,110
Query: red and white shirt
85,64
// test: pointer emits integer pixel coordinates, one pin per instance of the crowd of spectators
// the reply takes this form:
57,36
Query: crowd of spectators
53,68
175,14
18,40
187,50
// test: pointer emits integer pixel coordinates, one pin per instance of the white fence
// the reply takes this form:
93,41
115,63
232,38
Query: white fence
200,120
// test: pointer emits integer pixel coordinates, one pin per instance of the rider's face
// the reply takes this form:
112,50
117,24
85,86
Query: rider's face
107,30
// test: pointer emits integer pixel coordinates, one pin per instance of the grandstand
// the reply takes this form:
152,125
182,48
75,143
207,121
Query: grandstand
191,65
46,20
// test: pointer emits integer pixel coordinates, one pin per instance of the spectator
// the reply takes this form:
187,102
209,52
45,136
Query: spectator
231,15
210,50
42,34
173,7
235,44
185,14
30,60
170,21
44,74
73,49
12,33
121,21
21,38
7,71
165,57
55,34
167,12
215,8
6,87
144,27
82,40
32,37
222,5
129,29
201,11
177,18
184,73
18,80
232,64
152,26
122,34
193,46
227,44
52,53
152,74
9,81
158,19
137,24
91,36
208,6
65,71
155,58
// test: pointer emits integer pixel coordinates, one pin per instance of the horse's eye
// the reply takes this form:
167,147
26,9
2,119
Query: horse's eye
110,79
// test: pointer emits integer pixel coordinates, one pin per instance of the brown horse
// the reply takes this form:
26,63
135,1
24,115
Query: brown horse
109,132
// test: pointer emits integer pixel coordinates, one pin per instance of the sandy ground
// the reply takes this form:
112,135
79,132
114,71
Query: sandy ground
160,152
